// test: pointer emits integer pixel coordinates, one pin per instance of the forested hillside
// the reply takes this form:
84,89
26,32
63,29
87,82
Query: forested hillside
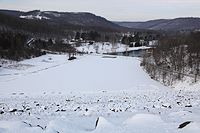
174,59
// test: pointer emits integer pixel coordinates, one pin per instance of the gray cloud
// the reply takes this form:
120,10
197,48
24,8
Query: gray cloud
132,10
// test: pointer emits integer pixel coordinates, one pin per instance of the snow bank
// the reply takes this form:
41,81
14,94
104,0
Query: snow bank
17,127
191,128
63,126
187,84
143,123
104,126
139,123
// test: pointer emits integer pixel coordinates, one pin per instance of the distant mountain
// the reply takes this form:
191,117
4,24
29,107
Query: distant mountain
178,24
62,20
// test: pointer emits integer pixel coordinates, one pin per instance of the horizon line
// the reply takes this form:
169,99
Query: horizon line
122,21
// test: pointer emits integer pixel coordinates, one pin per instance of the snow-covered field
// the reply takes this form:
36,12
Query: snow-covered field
53,95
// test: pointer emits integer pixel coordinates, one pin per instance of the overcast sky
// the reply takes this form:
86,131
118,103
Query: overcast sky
120,10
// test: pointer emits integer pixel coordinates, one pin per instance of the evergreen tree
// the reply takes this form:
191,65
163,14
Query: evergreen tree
77,36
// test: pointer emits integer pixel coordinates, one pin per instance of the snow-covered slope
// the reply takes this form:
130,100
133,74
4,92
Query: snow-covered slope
54,95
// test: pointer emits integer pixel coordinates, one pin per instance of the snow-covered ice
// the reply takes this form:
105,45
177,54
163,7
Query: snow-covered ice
51,94
87,74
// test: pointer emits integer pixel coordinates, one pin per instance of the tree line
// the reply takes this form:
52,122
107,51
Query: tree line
136,38
175,58
15,46
98,36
